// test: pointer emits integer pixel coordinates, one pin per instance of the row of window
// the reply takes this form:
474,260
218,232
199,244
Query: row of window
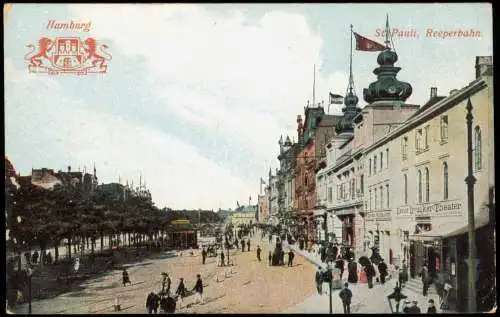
377,198
425,195
373,168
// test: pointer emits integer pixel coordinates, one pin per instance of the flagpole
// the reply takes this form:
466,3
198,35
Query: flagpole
351,83
314,86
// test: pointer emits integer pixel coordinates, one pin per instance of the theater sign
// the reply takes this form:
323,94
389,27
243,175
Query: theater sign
449,208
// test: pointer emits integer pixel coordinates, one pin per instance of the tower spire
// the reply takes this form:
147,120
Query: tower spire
387,31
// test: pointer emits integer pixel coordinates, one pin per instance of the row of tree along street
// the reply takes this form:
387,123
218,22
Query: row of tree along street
41,218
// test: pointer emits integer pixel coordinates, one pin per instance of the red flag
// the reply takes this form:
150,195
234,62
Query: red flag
364,44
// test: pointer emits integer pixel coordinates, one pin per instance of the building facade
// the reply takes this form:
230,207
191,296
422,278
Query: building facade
263,209
286,179
273,192
243,215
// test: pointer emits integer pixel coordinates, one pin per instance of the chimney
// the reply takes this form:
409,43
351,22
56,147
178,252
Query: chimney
434,92
69,169
483,63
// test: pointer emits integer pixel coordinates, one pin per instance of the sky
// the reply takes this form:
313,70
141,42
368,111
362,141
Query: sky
196,96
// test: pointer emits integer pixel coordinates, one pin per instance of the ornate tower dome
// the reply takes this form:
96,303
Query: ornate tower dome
350,101
387,87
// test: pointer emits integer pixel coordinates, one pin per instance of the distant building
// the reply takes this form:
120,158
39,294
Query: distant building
244,215
263,209
111,191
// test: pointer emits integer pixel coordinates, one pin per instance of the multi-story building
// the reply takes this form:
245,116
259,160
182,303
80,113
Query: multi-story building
263,208
286,179
273,192
243,215
312,135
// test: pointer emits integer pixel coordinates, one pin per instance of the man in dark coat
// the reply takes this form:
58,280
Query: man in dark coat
340,265
198,288
236,243
248,245
270,258
382,269
203,255
352,269
181,292
291,255
258,253
152,303
370,274
319,281
125,277
424,274
242,246
222,258
346,296
322,252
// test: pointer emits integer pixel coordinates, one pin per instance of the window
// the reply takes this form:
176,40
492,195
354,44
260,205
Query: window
426,184
370,200
445,181
381,198
361,184
419,187
418,139
387,194
329,194
370,167
426,137
305,179
386,158
404,148
381,160
444,128
375,198
353,185
405,181
477,148
374,165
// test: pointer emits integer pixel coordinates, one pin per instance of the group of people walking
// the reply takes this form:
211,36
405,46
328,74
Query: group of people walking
166,301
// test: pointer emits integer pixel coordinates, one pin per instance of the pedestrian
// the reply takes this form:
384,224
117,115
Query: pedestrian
168,282
242,246
431,309
198,288
322,252
248,245
352,269
236,243
319,281
203,255
151,303
424,274
270,258
35,257
382,269
258,253
340,265
404,275
346,296
270,238
282,257
222,258
49,258
181,292
412,308
291,255
125,278
370,274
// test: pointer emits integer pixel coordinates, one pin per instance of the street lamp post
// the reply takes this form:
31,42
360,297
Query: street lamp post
30,272
471,180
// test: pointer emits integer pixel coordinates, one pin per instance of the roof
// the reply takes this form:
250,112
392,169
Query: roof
428,104
248,208
180,225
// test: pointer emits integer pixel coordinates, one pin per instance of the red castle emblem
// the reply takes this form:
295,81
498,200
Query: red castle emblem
68,55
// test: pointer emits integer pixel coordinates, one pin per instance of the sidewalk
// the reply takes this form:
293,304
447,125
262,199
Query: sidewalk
364,300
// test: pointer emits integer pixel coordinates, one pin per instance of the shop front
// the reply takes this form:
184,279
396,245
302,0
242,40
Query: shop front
444,246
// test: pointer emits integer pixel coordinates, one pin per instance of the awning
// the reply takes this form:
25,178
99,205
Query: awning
452,228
